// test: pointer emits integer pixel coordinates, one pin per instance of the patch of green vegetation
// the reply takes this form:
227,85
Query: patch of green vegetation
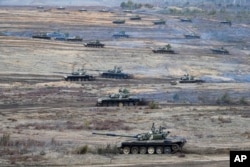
82,150
108,149
153,105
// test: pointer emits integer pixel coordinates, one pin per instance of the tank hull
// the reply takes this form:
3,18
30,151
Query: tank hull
115,75
218,51
169,145
163,51
79,78
191,81
94,45
119,102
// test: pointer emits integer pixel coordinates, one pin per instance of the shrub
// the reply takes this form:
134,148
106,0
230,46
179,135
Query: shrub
153,105
108,149
243,101
82,149
5,139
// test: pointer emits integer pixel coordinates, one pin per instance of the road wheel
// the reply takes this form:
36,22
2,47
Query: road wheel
159,150
134,150
151,150
126,150
175,147
167,150
143,150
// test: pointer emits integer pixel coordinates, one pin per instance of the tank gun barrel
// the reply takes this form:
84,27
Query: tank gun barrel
113,135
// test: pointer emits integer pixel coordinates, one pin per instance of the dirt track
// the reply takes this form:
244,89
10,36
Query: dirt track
48,118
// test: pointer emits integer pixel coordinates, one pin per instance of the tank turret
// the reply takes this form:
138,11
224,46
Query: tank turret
154,141
116,73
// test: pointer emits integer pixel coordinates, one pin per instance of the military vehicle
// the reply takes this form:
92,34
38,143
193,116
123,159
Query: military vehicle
40,7
186,20
116,73
79,75
191,36
155,141
122,98
41,36
57,35
119,21
161,21
82,10
136,17
226,22
74,39
220,51
189,79
165,49
94,44
121,34
61,8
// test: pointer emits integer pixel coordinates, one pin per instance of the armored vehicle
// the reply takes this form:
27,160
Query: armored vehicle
40,7
190,79
226,22
116,73
61,8
186,20
121,34
82,10
79,75
136,17
41,36
74,39
165,49
155,141
94,44
220,51
57,35
122,98
118,21
161,21
191,36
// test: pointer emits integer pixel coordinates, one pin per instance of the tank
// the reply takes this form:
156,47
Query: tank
61,8
57,35
82,10
136,17
185,20
226,22
116,73
79,75
94,44
161,21
156,141
165,49
191,36
122,98
190,79
74,39
121,34
220,51
41,36
119,21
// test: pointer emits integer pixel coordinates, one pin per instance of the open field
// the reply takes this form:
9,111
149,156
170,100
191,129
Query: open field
44,120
